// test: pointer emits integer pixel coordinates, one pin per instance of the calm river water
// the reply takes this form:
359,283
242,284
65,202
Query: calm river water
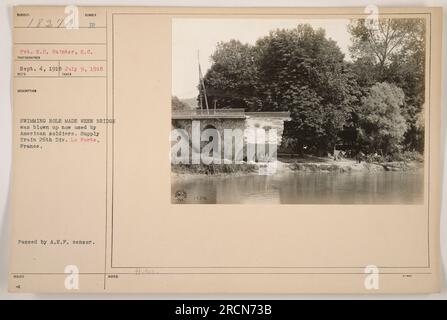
303,188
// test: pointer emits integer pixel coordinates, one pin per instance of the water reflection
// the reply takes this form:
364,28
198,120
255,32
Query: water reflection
304,188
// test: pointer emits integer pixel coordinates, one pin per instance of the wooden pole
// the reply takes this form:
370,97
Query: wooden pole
202,83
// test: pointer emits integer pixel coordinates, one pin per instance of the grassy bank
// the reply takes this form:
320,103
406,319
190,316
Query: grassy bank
214,169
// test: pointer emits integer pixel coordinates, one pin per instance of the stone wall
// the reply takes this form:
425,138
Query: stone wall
251,122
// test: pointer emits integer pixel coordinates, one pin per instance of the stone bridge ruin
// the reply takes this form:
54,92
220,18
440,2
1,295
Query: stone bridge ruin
221,119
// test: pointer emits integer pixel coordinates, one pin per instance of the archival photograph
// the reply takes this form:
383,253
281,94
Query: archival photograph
298,111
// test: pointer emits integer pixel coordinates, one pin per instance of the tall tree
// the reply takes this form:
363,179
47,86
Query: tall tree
385,40
302,71
382,125
394,52
232,80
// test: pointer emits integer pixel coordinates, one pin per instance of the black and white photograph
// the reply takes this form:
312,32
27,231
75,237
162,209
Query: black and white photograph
298,111
305,156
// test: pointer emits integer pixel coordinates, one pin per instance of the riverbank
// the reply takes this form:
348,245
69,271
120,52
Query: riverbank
213,169
288,165
353,166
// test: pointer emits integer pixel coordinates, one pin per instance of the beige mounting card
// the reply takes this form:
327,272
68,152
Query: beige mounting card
109,196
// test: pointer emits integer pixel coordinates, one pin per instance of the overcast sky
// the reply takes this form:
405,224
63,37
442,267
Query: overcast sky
190,35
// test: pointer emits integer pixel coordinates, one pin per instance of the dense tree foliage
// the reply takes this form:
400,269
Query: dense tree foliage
372,103
232,80
305,73
394,52
382,125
